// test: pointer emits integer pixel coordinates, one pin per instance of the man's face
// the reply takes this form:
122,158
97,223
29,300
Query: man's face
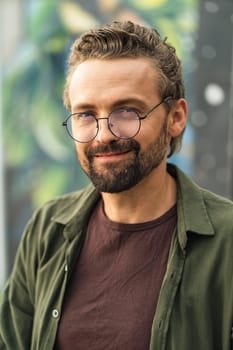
100,86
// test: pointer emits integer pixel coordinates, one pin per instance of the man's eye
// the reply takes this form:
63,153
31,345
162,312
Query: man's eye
125,113
84,118
85,115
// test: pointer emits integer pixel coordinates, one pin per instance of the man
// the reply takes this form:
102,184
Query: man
142,259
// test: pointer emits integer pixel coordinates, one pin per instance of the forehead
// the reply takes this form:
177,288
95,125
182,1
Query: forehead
108,78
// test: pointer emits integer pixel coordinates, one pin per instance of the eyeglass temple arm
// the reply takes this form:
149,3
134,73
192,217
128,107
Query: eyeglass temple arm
165,100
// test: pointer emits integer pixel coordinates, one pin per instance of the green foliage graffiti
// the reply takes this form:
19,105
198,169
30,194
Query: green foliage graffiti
39,159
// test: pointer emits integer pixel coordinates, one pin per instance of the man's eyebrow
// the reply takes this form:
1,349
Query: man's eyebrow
83,106
116,104
129,101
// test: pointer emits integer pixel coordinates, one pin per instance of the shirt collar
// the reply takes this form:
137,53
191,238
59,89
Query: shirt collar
74,214
192,213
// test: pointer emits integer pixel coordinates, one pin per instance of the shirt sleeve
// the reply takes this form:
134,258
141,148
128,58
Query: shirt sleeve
16,303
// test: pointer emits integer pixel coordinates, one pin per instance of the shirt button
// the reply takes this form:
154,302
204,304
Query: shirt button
66,267
55,313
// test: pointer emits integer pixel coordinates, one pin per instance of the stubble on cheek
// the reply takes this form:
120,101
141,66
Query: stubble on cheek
82,160
85,165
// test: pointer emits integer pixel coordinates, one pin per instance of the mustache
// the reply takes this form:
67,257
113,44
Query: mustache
116,146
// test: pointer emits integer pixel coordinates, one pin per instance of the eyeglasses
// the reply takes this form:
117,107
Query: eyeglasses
124,123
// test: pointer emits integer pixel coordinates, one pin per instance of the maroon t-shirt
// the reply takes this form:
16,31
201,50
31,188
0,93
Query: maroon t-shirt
111,299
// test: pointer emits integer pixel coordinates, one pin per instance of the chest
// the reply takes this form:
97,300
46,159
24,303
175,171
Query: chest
114,290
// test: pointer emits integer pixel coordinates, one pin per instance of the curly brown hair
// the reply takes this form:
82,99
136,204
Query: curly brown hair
127,39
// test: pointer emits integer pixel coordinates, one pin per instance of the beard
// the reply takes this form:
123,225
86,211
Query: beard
116,177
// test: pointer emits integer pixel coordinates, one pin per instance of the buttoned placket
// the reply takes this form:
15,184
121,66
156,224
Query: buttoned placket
55,312
71,252
166,299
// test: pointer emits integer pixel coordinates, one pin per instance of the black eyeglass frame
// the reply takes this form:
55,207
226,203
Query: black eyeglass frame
65,122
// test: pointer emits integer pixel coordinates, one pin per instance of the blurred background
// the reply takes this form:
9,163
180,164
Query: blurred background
37,159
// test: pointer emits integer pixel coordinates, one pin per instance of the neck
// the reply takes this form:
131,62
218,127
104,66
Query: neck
146,201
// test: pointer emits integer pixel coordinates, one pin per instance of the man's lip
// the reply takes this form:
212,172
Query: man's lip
111,154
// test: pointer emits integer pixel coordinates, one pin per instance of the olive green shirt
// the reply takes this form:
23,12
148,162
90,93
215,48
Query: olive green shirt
195,306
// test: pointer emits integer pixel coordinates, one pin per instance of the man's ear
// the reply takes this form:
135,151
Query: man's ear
177,117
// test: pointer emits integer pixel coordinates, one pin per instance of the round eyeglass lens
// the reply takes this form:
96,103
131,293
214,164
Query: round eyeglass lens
124,123
82,128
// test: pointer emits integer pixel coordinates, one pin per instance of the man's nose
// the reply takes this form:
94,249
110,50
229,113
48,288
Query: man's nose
104,134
